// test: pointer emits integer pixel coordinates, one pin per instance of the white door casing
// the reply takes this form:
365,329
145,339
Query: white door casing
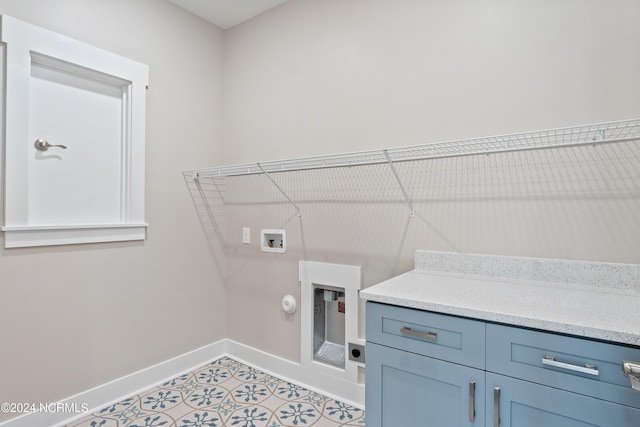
92,102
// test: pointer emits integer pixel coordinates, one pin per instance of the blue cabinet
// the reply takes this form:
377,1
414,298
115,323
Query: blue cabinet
423,369
582,366
407,389
443,337
430,369
516,403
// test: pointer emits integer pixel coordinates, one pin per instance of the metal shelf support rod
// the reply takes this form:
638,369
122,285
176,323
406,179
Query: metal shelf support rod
280,189
395,174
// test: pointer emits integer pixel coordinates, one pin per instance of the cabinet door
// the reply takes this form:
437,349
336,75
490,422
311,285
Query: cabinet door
525,404
406,389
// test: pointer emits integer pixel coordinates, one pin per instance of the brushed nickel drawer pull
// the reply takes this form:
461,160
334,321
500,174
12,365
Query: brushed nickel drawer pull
426,335
586,369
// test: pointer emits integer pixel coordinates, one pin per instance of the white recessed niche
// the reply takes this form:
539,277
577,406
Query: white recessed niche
272,240
74,140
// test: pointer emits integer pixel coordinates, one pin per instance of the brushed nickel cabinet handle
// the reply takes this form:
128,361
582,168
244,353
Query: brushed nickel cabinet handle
472,401
632,370
426,335
496,407
585,369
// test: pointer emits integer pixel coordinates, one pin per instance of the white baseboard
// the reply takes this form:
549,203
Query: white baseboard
121,388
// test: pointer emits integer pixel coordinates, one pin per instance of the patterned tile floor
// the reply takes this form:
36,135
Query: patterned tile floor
225,393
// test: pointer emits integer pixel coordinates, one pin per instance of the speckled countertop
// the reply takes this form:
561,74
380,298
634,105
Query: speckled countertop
595,300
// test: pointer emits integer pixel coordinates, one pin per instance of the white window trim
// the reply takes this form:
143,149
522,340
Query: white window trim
22,40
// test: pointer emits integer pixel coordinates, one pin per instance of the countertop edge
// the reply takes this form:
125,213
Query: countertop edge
404,290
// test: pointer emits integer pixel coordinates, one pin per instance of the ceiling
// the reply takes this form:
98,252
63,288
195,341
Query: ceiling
227,13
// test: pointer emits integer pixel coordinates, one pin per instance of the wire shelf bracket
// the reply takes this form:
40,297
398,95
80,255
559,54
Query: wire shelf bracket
399,181
280,189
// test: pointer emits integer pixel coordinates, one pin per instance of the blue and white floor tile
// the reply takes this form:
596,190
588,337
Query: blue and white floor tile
226,393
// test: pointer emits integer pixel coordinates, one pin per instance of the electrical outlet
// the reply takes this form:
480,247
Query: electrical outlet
246,235
356,352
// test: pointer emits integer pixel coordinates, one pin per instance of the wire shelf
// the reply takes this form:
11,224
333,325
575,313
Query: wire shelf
618,131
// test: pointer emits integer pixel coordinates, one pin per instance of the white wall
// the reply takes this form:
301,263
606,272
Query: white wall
332,76
313,77
74,317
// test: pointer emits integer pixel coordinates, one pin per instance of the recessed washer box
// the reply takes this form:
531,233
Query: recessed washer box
273,241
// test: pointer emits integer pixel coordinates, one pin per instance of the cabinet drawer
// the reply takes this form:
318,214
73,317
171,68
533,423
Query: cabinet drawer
587,367
435,335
